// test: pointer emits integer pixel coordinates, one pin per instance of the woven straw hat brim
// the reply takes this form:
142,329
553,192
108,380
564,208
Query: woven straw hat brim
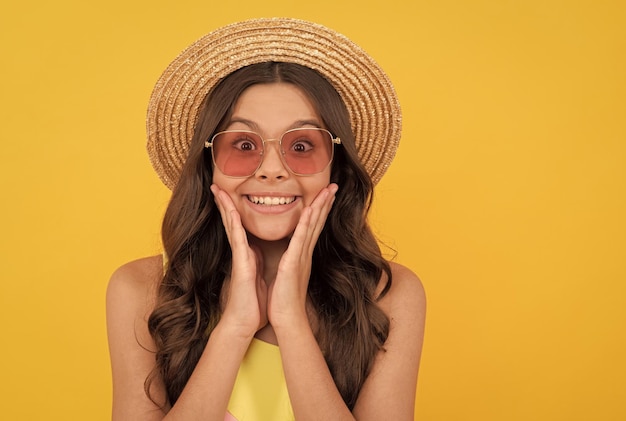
366,90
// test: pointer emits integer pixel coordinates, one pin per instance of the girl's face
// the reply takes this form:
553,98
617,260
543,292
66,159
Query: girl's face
271,200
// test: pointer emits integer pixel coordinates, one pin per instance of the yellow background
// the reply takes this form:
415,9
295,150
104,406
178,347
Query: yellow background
507,197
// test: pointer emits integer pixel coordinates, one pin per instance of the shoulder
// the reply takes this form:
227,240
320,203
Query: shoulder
133,285
405,305
389,391
138,271
405,277
406,294
131,295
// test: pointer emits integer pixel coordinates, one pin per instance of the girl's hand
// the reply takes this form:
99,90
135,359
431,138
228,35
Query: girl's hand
287,294
245,308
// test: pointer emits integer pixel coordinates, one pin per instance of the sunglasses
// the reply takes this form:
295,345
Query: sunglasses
304,151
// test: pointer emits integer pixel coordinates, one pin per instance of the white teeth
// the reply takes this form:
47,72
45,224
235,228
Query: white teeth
271,201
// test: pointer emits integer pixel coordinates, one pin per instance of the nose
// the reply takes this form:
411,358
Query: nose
272,165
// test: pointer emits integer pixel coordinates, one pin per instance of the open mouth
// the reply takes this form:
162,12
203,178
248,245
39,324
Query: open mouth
271,201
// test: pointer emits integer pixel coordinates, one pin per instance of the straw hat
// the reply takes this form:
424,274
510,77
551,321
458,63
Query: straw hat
366,90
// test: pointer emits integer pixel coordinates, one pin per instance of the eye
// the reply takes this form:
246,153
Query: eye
302,145
244,143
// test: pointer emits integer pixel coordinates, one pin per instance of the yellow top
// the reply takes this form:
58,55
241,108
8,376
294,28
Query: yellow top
260,391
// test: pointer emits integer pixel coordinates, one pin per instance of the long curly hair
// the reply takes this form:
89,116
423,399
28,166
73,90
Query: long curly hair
347,263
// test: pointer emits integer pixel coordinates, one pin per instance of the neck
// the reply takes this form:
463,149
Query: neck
271,252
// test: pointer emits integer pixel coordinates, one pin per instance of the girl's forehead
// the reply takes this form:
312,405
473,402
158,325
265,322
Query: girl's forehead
274,107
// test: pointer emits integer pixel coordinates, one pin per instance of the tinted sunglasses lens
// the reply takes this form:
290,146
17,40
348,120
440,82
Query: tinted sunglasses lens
307,151
237,154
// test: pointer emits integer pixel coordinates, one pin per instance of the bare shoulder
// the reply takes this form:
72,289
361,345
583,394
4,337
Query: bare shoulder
405,305
139,272
134,284
389,391
130,299
406,293
131,295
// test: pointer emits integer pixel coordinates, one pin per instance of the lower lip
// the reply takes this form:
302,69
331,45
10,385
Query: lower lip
272,209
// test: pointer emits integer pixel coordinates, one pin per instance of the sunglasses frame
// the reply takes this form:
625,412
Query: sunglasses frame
334,141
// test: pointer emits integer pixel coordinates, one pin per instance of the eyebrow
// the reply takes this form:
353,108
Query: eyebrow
255,127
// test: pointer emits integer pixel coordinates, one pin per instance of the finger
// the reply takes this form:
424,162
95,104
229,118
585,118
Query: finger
325,209
258,257
232,222
235,232
226,207
324,200
310,225
219,203
320,208
302,231
238,238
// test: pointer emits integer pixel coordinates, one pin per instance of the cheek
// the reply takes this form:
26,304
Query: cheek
313,187
219,178
228,185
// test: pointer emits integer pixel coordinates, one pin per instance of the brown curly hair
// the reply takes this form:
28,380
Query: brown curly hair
347,263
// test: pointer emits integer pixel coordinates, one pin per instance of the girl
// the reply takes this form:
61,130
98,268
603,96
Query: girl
272,300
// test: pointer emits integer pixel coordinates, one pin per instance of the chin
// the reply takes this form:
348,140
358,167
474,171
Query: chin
275,228
271,236
268,234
